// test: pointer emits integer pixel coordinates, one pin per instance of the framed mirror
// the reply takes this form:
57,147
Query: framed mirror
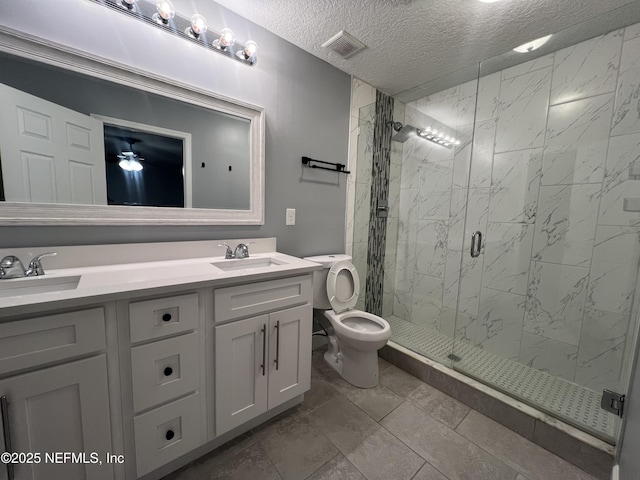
84,140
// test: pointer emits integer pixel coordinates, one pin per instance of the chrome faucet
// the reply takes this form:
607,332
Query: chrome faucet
242,251
229,253
12,267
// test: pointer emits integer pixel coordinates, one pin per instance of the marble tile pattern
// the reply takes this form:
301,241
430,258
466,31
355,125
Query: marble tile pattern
576,145
587,69
626,118
555,301
566,224
523,109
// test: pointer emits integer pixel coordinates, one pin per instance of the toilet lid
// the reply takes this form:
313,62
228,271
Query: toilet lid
343,286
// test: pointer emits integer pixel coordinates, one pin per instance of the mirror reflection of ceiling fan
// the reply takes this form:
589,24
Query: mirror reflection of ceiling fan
130,160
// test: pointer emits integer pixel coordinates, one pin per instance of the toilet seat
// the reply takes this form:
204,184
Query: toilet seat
343,286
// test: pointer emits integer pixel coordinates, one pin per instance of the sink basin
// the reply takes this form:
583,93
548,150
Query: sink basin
33,285
247,263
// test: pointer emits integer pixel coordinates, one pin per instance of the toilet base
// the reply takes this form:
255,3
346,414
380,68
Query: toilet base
360,369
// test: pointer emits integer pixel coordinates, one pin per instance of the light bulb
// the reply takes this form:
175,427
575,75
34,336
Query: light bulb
250,49
227,38
198,25
166,10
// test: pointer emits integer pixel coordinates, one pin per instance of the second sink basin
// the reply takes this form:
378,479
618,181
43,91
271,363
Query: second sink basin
15,287
247,263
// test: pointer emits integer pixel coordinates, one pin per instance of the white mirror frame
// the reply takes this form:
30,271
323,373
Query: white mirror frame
44,51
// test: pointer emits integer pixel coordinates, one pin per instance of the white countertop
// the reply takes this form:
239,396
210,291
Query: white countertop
109,282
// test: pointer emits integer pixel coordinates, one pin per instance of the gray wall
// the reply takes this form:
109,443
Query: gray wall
307,114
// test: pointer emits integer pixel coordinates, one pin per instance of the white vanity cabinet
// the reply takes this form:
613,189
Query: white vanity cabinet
61,403
264,360
166,362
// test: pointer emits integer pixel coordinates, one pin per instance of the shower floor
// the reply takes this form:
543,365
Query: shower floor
571,403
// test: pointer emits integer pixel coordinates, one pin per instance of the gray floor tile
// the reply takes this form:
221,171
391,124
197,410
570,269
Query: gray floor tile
214,460
529,459
252,462
376,402
429,472
343,423
439,405
399,381
368,446
338,468
451,453
382,364
381,456
321,392
295,447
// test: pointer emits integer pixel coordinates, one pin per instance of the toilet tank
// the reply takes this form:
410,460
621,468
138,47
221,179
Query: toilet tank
320,297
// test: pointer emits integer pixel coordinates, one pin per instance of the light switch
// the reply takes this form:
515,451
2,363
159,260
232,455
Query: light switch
291,216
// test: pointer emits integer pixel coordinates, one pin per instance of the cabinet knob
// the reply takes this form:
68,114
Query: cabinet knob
168,371
169,435
166,317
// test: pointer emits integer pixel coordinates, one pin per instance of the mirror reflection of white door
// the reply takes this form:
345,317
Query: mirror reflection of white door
50,154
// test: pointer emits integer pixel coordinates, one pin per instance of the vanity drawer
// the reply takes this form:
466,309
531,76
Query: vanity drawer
166,433
255,298
161,317
41,340
164,370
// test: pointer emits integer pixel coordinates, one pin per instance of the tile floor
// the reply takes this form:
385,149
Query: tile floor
402,429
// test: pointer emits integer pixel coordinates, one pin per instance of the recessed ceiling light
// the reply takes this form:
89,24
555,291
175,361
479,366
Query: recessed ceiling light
533,45
488,1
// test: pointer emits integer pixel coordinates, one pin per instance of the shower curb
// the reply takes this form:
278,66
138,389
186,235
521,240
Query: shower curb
591,454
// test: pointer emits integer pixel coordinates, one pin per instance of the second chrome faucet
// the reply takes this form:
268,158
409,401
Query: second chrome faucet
241,251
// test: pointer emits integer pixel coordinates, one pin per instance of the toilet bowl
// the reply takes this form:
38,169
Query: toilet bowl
355,336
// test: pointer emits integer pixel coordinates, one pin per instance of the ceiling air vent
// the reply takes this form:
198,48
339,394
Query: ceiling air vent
344,44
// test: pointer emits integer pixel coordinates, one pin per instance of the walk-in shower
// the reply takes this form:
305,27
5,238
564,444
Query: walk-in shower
546,311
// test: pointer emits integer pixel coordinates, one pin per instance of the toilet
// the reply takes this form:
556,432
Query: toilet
355,336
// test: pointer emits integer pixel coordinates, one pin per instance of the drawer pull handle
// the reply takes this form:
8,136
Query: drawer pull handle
6,430
264,349
277,360
166,317
168,371
169,435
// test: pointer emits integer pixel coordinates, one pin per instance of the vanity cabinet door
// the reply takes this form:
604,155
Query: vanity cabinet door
61,409
241,379
289,354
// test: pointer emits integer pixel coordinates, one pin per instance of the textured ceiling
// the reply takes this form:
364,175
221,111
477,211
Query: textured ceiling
414,42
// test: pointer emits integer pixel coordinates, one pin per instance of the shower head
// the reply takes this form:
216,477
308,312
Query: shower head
404,132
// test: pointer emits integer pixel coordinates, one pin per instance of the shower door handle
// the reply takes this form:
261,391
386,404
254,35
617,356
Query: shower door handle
476,244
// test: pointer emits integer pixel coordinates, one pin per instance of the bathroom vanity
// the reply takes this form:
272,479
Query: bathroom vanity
139,367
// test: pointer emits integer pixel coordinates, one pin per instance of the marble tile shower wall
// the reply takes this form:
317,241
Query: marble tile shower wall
554,141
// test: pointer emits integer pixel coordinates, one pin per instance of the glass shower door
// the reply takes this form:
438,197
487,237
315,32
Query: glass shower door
545,299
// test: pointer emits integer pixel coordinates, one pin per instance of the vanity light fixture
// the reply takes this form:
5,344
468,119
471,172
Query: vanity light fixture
162,14
198,26
250,50
165,12
533,45
226,40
